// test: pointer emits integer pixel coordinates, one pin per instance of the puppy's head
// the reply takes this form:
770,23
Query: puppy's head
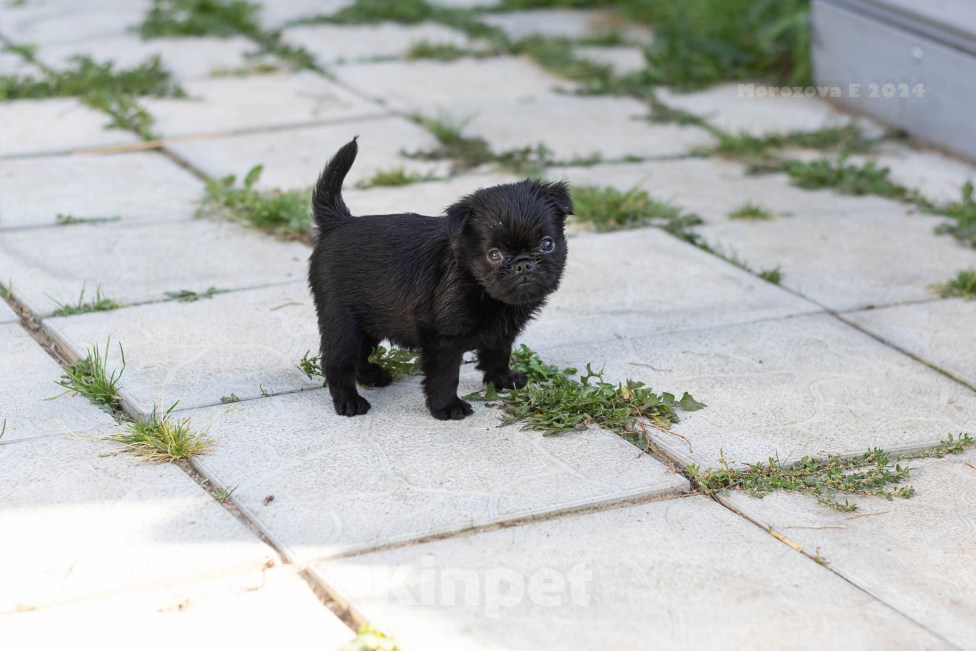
510,237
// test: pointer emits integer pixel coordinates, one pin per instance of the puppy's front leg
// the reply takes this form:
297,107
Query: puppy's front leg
441,365
493,359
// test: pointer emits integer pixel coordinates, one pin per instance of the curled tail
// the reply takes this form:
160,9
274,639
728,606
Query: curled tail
328,208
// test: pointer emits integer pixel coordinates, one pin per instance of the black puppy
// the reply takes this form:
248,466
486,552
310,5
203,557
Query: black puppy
469,280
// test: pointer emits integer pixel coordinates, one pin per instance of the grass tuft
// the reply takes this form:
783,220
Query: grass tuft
846,139
774,275
370,639
464,152
438,51
554,403
395,360
68,220
868,474
750,211
277,212
964,214
962,286
608,209
396,176
187,296
223,495
162,438
98,303
90,378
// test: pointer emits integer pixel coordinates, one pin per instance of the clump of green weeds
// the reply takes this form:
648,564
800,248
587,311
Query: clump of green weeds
868,474
609,209
162,438
464,152
750,211
278,212
97,303
222,18
370,639
395,360
962,286
774,275
396,176
187,296
848,139
847,178
438,51
68,220
554,402
964,214
90,377
227,400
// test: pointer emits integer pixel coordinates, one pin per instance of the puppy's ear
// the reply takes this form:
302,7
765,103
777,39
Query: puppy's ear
458,215
558,195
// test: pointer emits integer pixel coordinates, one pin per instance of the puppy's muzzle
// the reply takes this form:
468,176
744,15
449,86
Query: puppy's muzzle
523,267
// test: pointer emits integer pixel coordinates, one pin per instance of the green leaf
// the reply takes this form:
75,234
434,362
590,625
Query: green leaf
690,404
253,176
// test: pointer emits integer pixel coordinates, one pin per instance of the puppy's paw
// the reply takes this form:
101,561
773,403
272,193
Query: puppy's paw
507,379
373,375
456,410
353,405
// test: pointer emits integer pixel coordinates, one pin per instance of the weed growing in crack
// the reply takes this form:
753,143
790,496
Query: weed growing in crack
437,51
227,400
98,303
465,153
396,176
868,474
745,146
750,211
221,18
90,377
162,438
69,220
554,402
277,212
395,360
370,639
962,286
223,495
187,296
609,209
964,214
774,275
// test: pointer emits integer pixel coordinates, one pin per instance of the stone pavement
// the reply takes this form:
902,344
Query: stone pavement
574,541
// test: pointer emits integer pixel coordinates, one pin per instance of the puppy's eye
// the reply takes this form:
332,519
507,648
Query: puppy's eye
495,256
547,245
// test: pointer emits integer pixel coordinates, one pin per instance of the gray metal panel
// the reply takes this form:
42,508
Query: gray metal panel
952,22
851,48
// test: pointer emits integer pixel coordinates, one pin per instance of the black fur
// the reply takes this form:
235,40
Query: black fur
426,284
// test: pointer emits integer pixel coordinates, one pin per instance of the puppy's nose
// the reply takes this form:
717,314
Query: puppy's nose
523,267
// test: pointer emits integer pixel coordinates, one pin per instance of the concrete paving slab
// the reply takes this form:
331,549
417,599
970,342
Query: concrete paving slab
185,58
294,158
623,60
712,188
679,574
270,609
280,12
82,522
730,108
343,485
137,264
48,126
137,186
644,282
233,104
847,262
336,44
569,23
433,86
7,315
915,555
199,352
578,127
427,198
66,21
937,176
939,333
788,388
28,377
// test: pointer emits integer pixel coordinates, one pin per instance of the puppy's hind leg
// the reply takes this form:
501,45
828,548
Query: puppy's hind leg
341,345
367,374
